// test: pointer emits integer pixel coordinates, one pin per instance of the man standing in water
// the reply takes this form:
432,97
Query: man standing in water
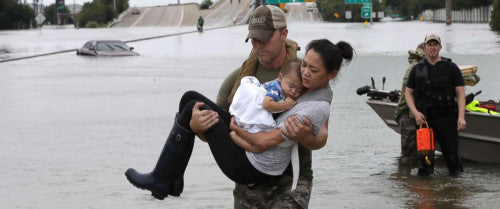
435,93
404,118
271,51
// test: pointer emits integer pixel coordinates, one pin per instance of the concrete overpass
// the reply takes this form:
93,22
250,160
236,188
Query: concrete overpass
219,15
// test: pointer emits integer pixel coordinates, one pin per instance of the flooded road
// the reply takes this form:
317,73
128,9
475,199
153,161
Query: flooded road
70,126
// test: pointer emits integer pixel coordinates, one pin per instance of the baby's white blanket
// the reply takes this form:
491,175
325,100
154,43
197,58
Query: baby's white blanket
247,106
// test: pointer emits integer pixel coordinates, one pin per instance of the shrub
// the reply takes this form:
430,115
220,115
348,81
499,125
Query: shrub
14,15
495,16
206,4
92,24
101,11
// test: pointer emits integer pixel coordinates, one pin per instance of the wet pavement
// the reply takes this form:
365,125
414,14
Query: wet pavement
70,126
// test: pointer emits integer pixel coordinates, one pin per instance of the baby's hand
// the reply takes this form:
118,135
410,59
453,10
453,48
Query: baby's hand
289,103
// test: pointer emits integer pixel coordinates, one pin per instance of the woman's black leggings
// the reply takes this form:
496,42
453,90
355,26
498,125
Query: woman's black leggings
231,158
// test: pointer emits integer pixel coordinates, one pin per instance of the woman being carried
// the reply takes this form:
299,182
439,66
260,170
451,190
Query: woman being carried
321,63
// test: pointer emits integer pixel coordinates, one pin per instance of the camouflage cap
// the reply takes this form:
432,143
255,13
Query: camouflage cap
264,21
432,37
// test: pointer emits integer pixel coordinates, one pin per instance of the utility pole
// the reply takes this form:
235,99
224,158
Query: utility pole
448,12
114,4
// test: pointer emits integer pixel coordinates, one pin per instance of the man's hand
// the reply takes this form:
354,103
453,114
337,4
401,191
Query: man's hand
461,124
202,120
254,142
419,118
295,130
234,126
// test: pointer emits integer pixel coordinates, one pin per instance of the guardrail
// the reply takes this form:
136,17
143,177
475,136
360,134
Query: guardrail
476,15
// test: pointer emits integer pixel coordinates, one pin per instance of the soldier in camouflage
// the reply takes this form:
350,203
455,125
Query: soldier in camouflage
403,116
271,50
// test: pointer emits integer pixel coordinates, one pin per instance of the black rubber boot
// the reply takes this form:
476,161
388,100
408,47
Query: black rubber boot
424,168
167,176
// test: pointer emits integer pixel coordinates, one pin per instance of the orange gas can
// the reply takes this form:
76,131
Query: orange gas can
425,140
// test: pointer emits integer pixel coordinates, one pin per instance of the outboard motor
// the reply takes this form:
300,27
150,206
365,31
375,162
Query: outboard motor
376,94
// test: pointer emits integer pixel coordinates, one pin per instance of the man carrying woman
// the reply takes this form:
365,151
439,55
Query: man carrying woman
211,122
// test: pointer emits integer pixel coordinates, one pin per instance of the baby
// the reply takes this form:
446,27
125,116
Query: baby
253,102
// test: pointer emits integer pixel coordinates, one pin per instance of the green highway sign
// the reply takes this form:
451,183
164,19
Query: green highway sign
367,5
366,12
357,1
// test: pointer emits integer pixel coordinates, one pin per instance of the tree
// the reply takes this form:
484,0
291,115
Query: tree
469,4
14,15
206,4
495,16
101,11
50,13
121,5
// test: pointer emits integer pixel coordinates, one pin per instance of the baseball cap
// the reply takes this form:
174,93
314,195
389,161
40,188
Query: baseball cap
432,37
264,21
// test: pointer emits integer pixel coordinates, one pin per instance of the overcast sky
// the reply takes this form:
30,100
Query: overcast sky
132,3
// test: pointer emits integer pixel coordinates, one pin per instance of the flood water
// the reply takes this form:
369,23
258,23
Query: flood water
70,126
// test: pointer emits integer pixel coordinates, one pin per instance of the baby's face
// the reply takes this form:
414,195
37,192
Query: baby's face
292,85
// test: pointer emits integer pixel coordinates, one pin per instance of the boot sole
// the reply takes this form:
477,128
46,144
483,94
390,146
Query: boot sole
153,193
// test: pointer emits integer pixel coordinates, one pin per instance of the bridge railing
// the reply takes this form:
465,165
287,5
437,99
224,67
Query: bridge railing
475,15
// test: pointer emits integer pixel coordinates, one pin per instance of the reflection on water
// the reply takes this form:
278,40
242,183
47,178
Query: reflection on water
433,192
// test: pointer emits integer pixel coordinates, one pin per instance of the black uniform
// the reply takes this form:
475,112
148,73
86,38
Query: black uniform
434,93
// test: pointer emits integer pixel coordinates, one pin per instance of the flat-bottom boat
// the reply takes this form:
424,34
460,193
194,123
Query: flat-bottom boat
479,141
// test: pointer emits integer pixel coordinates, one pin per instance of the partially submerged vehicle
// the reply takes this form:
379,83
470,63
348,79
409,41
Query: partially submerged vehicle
479,141
106,48
135,11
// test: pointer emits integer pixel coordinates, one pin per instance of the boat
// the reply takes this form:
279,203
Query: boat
479,141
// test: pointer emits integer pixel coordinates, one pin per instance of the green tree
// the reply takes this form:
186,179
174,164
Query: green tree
407,8
206,4
100,11
121,5
469,4
495,16
50,13
14,15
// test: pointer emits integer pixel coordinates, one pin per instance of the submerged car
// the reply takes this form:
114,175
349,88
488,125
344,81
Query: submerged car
135,11
106,48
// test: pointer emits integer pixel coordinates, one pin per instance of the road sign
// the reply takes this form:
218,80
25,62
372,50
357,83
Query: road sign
348,15
367,5
380,15
40,18
357,1
366,12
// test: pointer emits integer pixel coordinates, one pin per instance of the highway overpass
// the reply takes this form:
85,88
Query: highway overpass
220,15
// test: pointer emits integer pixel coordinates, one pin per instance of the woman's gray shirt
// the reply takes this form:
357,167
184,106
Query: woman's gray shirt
313,105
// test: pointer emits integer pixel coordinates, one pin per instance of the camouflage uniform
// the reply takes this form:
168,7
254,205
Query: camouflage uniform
404,118
276,193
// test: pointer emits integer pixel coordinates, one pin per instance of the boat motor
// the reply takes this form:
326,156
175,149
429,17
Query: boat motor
377,94
471,96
